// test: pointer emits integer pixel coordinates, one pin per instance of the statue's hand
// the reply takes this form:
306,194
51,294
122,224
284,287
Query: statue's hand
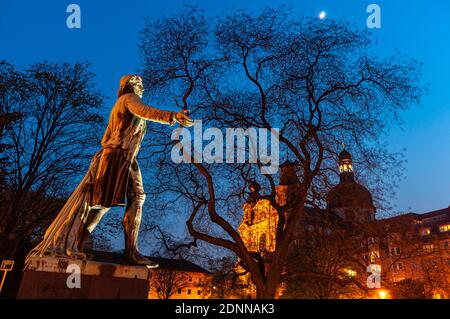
183,118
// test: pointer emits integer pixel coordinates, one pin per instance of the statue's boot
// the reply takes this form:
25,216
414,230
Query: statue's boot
137,259
75,253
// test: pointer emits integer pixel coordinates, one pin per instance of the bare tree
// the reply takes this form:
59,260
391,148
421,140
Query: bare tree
167,282
225,283
326,261
51,142
315,80
11,93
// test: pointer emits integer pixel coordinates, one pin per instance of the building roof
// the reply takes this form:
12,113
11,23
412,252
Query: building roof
428,217
164,263
431,220
435,213
344,155
349,194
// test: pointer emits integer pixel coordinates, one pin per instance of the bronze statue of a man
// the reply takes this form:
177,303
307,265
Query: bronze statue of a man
114,178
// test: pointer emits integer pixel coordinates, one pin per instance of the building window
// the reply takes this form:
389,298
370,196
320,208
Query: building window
350,272
446,244
371,240
190,279
345,167
189,291
428,248
395,251
199,292
425,231
444,228
262,242
179,290
398,266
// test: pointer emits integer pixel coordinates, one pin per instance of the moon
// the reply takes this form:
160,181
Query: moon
322,15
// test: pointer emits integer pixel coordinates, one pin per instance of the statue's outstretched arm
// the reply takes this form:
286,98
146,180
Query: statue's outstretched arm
147,112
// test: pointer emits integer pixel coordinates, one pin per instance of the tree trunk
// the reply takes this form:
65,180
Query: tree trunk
266,292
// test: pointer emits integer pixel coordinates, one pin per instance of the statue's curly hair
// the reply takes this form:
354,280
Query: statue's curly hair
128,88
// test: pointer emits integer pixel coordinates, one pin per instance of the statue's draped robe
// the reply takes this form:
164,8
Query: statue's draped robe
61,236
104,185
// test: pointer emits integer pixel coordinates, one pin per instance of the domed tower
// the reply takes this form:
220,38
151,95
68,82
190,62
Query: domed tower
349,199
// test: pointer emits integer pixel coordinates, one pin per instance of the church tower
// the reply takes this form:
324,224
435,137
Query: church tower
349,199
260,219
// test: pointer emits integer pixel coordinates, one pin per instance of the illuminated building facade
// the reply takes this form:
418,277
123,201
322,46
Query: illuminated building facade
411,249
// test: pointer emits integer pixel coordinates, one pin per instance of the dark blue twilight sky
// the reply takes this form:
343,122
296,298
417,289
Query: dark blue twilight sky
32,31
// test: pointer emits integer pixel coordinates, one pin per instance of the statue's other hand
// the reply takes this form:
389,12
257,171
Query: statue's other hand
183,118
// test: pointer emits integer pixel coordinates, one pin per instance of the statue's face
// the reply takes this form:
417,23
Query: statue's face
138,87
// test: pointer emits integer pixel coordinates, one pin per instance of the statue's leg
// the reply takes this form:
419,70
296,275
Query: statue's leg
132,217
94,217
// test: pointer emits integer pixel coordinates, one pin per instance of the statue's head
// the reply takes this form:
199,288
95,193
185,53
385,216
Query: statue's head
131,84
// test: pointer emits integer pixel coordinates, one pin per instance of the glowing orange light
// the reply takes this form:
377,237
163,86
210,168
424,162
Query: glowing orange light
383,294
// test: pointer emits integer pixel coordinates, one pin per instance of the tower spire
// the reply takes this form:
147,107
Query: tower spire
345,166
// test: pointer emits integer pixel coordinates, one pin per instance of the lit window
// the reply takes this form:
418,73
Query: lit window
350,272
428,248
425,231
444,228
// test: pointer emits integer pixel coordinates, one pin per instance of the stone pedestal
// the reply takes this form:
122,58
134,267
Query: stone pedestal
46,278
